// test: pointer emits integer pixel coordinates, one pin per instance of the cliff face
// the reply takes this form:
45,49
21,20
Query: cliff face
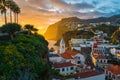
55,31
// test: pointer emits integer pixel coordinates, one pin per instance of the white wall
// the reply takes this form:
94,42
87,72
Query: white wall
56,59
76,48
67,70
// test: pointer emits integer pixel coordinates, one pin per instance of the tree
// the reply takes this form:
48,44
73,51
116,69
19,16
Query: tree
9,5
116,36
3,11
21,58
35,31
16,11
29,27
10,28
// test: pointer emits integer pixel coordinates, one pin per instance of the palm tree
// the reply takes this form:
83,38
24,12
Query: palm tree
10,5
16,11
35,30
3,11
114,35
29,28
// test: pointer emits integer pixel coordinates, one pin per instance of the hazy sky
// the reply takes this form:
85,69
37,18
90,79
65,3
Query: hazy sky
41,13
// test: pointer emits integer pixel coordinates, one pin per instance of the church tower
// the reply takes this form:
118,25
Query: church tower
62,46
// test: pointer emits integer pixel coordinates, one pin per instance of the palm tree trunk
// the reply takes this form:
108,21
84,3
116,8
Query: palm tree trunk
5,16
15,17
10,16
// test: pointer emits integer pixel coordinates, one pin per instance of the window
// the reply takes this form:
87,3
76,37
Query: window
71,68
78,57
113,76
63,69
78,62
67,69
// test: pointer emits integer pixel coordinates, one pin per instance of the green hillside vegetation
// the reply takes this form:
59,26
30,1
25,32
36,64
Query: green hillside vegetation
109,29
79,34
56,31
24,57
82,34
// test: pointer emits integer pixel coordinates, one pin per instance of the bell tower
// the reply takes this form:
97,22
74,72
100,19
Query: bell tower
62,46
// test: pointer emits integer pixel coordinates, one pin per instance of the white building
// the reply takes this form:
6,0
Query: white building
78,43
73,57
112,73
115,52
79,59
65,68
62,46
55,58
88,75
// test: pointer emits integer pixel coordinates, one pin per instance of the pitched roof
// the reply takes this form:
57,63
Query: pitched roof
68,54
61,65
99,57
97,51
86,74
114,69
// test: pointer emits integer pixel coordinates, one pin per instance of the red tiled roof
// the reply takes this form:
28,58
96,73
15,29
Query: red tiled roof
86,74
64,64
68,54
114,69
99,57
97,51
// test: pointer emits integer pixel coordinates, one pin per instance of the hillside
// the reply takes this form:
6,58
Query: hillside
55,31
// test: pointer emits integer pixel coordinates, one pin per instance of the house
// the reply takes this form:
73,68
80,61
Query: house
99,57
115,52
79,59
55,58
73,57
112,73
88,75
118,54
75,43
65,68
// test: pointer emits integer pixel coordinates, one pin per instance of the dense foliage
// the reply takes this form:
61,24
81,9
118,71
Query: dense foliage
21,58
109,29
10,28
24,57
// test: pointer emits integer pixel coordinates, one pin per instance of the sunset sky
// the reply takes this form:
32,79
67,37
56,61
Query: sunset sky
42,13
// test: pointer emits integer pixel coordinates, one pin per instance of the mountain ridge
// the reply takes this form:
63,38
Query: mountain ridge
56,30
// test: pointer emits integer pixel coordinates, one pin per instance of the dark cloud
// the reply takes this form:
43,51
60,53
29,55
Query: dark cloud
45,12
40,3
83,6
